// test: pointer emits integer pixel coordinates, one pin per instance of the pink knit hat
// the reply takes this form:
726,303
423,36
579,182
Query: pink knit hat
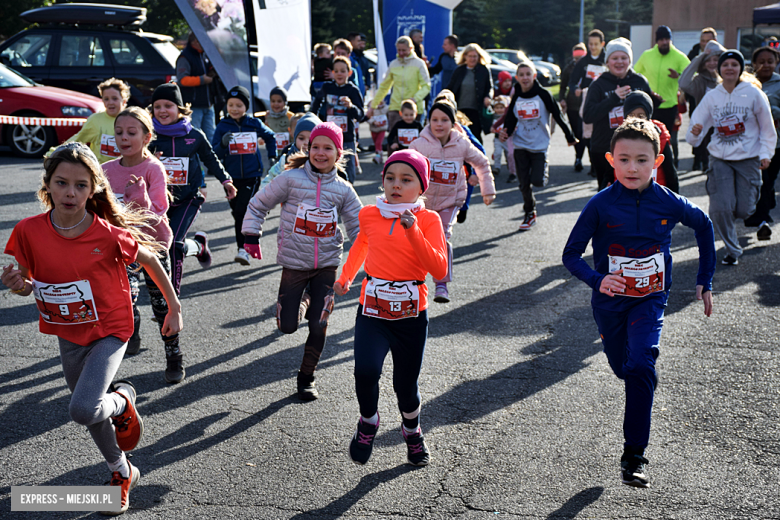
331,131
414,159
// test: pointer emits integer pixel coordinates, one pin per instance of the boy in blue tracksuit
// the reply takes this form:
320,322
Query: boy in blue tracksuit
630,224
235,143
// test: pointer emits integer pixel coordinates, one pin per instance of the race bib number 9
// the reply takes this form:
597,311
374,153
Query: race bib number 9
643,275
243,143
65,303
444,172
616,117
312,221
177,169
108,146
527,109
282,140
407,135
388,300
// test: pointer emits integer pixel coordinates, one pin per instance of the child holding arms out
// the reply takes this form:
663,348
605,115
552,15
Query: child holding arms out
407,129
400,242
236,146
73,258
312,198
630,224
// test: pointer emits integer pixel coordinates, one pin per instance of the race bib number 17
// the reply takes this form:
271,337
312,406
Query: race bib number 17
643,275
312,221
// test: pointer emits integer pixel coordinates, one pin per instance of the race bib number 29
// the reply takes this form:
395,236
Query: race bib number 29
643,275
65,303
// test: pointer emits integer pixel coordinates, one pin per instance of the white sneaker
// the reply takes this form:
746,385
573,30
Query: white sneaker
242,257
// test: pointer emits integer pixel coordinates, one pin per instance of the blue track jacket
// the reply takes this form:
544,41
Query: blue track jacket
243,166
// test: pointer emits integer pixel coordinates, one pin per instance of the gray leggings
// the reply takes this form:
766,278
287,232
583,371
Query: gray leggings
89,371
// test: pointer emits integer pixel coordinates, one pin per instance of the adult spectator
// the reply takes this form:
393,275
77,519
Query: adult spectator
707,34
570,103
662,66
196,85
358,41
472,85
408,76
446,63
417,39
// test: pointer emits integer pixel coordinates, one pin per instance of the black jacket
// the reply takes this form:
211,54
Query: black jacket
567,94
482,78
579,78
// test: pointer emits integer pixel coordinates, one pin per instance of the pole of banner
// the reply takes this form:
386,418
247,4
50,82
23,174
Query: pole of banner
582,20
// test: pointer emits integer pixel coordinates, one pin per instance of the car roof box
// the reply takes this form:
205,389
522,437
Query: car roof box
86,14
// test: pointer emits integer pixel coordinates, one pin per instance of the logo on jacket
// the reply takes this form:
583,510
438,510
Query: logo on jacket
97,251
189,141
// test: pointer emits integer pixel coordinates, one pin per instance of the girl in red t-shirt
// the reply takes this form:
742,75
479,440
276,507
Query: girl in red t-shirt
73,259
392,315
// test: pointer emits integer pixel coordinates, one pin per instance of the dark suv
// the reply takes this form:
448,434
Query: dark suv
89,47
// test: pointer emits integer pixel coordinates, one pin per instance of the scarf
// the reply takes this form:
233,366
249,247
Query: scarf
277,115
392,211
180,128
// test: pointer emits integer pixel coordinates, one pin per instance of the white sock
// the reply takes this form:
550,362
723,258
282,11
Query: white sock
193,248
374,419
408,432
121,466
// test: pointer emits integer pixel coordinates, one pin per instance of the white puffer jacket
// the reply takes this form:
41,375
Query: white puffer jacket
320,190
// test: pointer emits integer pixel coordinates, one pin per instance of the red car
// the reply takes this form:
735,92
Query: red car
20,96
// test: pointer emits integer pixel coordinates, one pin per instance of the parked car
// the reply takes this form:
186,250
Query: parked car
20,96
77,46
547,73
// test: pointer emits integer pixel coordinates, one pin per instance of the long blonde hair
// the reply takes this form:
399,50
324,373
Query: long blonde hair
102,203
484,59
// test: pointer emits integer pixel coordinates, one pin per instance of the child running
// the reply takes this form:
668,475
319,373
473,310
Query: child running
400,242
528,122
73,258
300,143
181,146
279,118
138,181
98,131
313,198
235,143
407,129
448,149
630,225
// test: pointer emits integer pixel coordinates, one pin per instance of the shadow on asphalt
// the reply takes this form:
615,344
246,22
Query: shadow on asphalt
576,504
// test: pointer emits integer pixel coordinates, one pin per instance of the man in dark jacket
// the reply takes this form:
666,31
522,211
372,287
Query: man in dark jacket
196,85
570,103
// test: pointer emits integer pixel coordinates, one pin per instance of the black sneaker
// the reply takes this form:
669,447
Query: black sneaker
632,469
729,260
134,343
204,257
307,391
578,165
462,214
512,178
174,370
764,231
416,450
362,442
696,166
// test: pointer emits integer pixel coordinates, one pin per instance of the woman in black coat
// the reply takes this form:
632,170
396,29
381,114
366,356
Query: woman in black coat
472,86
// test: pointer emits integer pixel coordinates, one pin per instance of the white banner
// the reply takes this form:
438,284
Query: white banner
381,65
283,47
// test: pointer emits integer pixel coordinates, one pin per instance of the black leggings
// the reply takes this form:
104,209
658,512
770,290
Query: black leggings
159,305
245,190
766,201
181,218
288,309
605,174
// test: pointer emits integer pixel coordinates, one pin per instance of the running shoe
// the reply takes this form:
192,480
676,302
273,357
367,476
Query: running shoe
174,368
495,171
529,221
134,343
578,165
632,469
512,178
242,257
416,450
764,231
128,425
307,391
442,294
462,214
377,159
729,260
204,257
127,484
362,442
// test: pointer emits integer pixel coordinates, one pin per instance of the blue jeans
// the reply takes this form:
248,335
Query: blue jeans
352,158
203,119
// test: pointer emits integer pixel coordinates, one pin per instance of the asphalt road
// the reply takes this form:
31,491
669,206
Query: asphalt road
520,409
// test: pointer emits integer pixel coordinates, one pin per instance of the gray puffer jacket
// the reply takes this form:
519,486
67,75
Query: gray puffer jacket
305,244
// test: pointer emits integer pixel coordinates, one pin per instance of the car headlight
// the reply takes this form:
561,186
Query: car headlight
76,111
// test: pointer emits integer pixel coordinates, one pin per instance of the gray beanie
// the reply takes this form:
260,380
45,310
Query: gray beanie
305,124
619,44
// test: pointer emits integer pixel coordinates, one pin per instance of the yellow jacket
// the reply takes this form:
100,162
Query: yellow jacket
409,79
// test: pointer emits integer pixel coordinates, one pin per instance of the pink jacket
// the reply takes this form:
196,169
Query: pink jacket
150,192
446,191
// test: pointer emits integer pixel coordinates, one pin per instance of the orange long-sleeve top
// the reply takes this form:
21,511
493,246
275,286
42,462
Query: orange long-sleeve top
391,252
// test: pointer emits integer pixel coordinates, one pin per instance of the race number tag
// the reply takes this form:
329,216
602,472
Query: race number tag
616,117
312,221
282,140
388,300
643,275
407,135
177,169
339,121
243,143
527,109
731,126
108,146
65,303
380,122
594,71
444,172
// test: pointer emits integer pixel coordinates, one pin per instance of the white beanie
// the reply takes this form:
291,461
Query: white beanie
619,44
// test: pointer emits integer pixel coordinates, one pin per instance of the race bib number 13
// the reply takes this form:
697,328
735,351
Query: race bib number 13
643,275
65,303
388,300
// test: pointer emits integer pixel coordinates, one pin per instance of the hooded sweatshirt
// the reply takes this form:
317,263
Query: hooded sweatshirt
528,119
696,80
409,79
742,120
772,90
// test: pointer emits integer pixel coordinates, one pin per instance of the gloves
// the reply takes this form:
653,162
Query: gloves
252,246
226,139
